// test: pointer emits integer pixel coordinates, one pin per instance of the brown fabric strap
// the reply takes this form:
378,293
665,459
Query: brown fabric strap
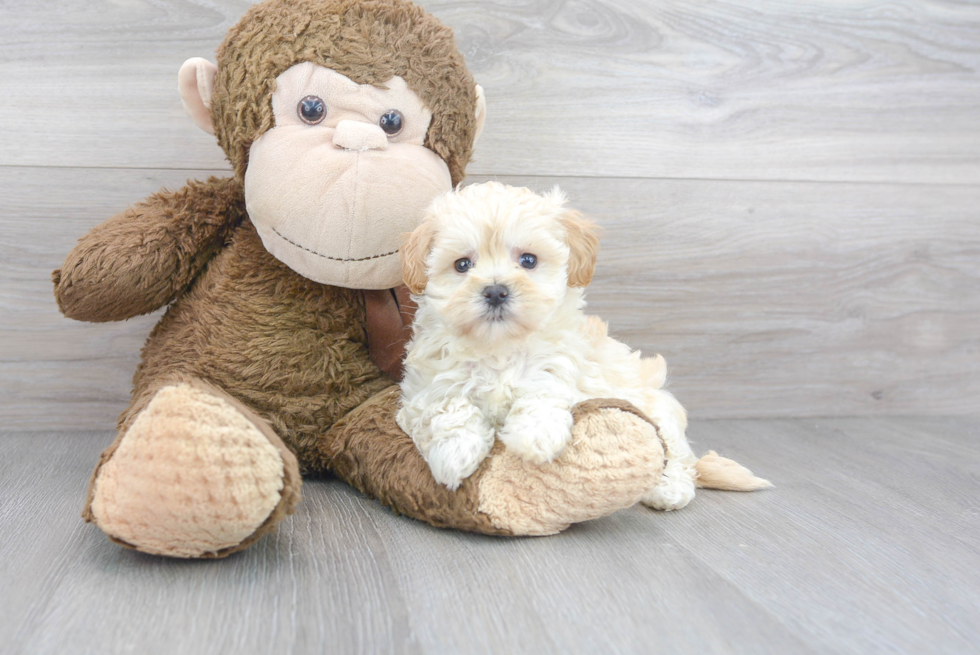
389,327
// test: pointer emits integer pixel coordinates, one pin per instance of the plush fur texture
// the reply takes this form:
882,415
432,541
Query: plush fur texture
369,41
145,257
231,476
185,430
332,200
255,348
481,368
615,457
293,350
535,500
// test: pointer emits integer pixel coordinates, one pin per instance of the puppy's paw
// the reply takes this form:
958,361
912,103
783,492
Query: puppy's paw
537,434
675,489
455,457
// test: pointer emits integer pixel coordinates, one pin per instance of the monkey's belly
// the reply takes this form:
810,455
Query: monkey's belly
292,350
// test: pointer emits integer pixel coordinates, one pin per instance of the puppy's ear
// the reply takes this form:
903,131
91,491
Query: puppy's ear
582,237
414,253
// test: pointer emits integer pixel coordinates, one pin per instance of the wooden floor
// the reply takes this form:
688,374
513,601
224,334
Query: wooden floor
869,543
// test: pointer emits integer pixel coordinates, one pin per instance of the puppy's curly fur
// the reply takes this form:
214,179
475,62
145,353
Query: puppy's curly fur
501,346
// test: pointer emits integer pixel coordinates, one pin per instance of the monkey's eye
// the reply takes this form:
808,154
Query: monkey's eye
392,122
528,260
463,265
311,110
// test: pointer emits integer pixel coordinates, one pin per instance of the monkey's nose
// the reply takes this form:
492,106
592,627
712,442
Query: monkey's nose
495,294
358,135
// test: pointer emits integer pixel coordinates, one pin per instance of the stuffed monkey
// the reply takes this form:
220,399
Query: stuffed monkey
277,354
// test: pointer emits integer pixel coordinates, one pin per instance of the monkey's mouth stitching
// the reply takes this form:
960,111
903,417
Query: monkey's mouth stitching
335,259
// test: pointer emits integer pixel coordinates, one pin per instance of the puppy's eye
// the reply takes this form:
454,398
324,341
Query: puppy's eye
528,260
392,122
311,110
463,265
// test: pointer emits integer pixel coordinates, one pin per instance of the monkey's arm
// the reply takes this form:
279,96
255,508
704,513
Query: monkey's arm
141,259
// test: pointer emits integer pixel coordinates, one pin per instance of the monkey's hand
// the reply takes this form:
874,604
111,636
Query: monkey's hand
143,258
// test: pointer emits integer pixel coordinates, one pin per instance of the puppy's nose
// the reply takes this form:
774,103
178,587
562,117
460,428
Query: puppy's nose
496,294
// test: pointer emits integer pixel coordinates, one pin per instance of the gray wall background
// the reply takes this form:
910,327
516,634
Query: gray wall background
790,191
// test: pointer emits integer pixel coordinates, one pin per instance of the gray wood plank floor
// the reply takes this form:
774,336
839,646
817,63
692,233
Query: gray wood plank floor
869,543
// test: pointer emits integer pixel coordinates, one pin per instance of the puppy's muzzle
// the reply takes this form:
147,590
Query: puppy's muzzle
496,295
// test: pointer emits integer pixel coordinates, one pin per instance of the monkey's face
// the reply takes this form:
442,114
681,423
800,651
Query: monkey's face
343,119
342,175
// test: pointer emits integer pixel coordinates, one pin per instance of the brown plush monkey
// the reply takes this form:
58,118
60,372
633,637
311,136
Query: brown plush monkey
342,120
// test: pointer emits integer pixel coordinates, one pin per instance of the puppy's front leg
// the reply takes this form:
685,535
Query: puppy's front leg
453,436
538,428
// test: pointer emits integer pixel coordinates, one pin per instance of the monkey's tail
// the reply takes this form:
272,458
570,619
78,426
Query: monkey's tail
716,472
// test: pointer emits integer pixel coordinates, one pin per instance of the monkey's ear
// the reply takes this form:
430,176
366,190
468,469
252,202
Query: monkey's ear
414,253
481,112
582,237
196,84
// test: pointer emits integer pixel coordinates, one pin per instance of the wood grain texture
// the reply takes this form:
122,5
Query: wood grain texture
795,299
767,299
801,90
869,543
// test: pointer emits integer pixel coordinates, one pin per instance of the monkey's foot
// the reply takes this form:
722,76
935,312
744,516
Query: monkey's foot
196,475
613,458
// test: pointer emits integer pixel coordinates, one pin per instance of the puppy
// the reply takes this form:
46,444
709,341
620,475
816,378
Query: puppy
501,347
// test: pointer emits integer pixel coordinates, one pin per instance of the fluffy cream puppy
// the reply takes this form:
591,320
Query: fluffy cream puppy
501,347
